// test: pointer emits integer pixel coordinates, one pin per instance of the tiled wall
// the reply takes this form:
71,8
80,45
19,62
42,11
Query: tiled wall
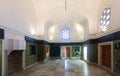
42,53
116,56
76,51
92,50
92,53
54,51
81,52
39,56
55,48
30,59
0,57
40,50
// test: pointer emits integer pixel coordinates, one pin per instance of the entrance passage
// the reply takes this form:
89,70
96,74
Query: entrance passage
67,51
106,55
72,51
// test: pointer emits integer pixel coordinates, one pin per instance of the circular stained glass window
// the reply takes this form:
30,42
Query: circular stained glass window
65,34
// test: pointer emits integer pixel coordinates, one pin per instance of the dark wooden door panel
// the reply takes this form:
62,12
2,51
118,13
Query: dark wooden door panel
106,56
67,51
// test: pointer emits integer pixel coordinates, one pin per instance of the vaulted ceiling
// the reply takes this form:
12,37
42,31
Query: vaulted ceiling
40,15
76,10
67,12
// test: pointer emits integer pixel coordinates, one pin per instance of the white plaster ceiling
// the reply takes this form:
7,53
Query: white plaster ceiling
76,10
37,14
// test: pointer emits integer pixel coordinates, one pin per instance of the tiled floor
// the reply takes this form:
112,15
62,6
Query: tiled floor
67,67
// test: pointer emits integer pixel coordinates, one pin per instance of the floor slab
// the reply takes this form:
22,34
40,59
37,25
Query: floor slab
66,67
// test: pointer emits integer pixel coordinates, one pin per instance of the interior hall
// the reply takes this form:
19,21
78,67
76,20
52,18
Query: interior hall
59,37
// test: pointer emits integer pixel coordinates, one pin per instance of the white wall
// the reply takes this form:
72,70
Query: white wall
115,17
78,26
28,16
115,14
18,19
68,18
19,15
77,34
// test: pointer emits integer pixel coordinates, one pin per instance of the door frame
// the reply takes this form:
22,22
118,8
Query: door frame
100,54
64,51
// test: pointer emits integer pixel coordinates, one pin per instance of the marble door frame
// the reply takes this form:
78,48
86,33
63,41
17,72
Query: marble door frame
99,53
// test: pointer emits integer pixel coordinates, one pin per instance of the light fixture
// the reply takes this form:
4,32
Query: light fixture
33,32
104,28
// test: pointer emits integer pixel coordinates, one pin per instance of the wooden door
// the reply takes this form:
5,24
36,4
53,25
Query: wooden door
106,56
67,51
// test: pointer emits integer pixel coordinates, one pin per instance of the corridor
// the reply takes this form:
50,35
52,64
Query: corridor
67,67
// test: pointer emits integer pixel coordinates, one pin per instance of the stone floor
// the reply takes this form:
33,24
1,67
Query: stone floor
67,67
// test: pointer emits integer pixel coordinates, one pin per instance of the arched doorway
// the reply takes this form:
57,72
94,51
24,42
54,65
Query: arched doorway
15,61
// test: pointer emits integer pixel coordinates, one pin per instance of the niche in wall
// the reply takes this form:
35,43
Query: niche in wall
15,61
47,50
